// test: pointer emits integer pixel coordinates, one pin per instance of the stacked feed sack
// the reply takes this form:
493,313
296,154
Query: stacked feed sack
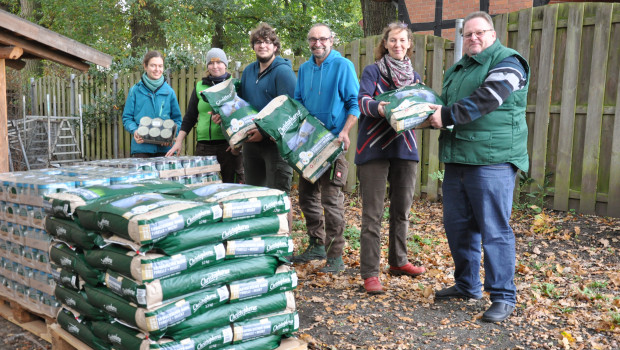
201,268
25,274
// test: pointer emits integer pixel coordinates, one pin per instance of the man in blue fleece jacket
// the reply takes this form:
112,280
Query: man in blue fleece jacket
327,86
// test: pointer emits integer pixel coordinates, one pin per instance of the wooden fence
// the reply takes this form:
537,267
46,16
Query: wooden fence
573,110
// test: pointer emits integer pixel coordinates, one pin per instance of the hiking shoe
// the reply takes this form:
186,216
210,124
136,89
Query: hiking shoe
333,265
314,251
373,286
452,293
408,270
497,312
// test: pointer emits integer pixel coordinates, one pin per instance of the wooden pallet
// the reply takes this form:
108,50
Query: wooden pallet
25,318
62,340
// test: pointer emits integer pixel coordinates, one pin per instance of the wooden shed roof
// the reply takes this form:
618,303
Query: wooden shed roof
41,43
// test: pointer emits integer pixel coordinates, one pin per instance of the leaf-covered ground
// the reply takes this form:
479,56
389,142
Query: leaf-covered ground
568,281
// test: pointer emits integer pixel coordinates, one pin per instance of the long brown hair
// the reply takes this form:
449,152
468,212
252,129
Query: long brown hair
380,49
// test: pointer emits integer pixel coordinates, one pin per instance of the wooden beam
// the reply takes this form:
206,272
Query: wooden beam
52,39
11,52
43,52
16,64
4,136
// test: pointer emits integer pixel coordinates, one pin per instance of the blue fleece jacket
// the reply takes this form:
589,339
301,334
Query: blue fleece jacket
141,102
329,91
278,79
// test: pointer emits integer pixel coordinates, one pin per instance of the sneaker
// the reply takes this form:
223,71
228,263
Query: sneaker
333,265
373,286
314,251
408,270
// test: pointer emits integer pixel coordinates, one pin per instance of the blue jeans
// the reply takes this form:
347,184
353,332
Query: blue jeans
477,202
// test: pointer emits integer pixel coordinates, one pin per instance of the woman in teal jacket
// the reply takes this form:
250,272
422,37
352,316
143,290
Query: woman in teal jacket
150,97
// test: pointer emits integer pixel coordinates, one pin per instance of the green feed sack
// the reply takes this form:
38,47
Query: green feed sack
306,144
72,233
264,343
408,106
112,304
150,266
151,294
255,287
214,233
78,300
230,313
280,245
73,260
63,204
237,115
80,329
214,338
276,324
120,336
66,278
155,320
146,218
240,201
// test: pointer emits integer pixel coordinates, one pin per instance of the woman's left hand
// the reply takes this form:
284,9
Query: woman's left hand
381,108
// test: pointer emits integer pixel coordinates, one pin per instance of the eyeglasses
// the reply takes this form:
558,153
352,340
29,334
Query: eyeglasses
260,42
478,34
315,40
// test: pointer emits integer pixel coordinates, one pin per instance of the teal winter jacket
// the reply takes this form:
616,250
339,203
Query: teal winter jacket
141,102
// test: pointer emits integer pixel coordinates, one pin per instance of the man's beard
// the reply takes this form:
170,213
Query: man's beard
264,59
323,55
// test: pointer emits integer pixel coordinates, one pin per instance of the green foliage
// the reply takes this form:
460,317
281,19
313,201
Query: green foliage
386,213
193,26
597,285
298,225
548,289
535,200
352,235
104,108
413,217
437,175
615,317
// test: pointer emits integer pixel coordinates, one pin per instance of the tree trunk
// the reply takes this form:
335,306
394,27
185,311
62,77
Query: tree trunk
217,39
377,15
146,32
34,68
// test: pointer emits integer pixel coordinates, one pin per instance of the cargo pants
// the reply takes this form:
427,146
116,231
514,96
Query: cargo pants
322,204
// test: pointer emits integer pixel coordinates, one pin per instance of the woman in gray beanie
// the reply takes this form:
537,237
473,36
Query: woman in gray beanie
209,135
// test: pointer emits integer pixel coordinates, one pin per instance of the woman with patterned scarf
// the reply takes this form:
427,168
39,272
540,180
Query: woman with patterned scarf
383,156
209,135
150,97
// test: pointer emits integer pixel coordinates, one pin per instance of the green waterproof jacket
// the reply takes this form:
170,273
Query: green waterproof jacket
497,137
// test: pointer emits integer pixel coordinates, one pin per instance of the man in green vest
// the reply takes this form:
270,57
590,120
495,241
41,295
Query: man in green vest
485,95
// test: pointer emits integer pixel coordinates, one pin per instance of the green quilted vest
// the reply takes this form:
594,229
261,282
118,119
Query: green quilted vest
497,137
206,129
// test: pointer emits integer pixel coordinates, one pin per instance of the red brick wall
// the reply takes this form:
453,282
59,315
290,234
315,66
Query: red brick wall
423,11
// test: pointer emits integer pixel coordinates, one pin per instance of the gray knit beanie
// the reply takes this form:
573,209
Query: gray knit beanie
215,55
